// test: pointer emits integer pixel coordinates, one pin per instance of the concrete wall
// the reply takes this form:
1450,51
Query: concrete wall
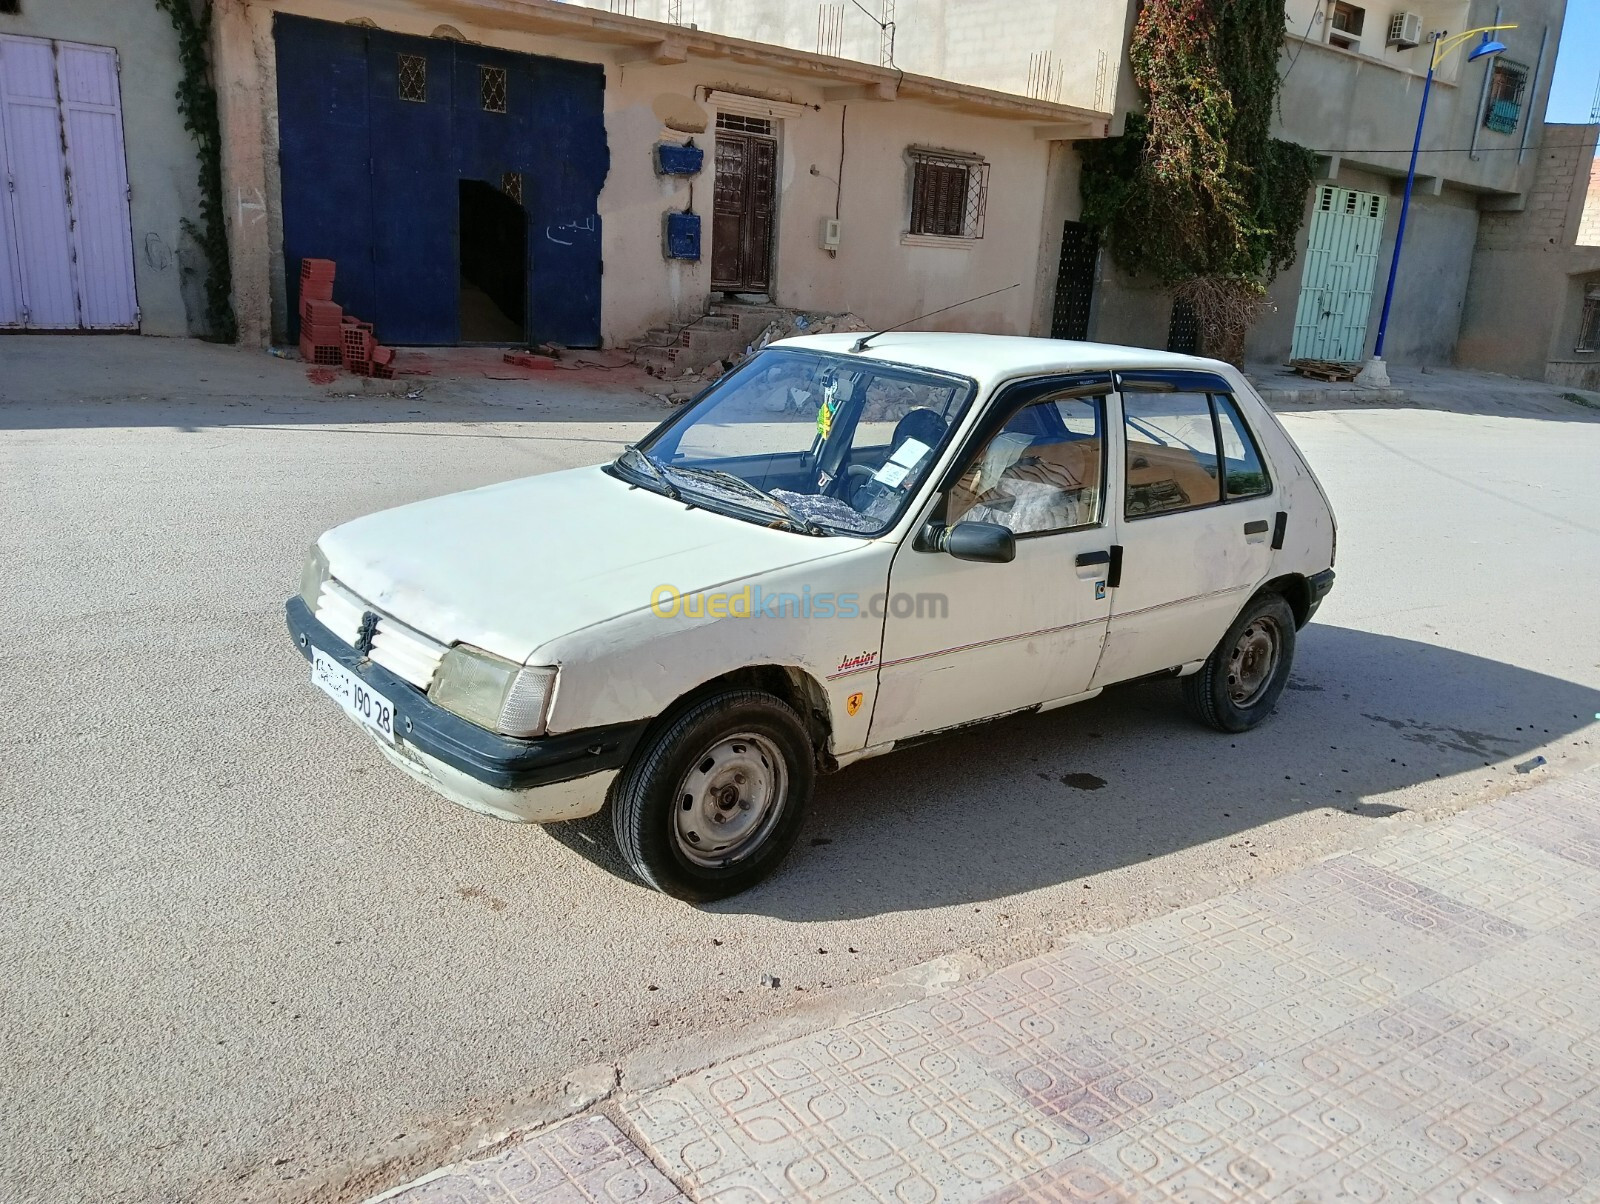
1363,108
163,173
1359,111
1068,53
1530,268
878,273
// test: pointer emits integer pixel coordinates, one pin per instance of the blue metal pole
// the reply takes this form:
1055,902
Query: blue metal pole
1405,210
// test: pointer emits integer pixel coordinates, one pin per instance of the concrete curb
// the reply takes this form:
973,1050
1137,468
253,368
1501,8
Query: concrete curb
1330,396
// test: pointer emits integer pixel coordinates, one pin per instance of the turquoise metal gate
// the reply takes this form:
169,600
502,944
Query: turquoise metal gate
1341,260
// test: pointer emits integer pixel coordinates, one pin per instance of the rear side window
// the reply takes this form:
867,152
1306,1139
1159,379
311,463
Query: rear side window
1172,453
1188,450
1243,473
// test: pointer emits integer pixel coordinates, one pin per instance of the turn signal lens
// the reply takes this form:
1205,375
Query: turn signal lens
312,576
527,703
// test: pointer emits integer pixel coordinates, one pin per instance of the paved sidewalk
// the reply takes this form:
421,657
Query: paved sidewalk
1418,1022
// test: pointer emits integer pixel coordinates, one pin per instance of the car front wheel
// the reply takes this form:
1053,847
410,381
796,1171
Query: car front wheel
711,804
1240,682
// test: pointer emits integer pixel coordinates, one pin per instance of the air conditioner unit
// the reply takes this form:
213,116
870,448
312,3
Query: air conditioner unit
1405,30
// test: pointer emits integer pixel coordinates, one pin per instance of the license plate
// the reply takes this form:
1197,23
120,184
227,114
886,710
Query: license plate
359,700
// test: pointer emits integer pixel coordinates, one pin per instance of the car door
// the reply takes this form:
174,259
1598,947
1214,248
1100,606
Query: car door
965,641
1195,527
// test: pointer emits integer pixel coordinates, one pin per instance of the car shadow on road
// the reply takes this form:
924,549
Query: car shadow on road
1034,801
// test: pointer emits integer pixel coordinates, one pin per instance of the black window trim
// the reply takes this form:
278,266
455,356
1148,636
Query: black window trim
1211,386
1011,399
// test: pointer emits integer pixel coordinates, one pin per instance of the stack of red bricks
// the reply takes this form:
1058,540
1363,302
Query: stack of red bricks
332,337
319,316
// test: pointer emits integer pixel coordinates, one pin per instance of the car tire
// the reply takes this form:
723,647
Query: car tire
711,803
1240,682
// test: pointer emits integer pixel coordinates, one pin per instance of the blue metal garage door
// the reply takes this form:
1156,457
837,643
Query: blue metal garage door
376,133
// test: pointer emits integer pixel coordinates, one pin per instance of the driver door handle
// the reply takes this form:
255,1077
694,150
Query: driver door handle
1088,559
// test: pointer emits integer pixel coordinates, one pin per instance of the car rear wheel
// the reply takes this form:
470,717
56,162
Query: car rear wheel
1240,682
710,805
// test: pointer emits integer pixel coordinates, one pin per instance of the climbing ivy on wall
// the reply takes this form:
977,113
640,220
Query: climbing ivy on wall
197,102
1197,192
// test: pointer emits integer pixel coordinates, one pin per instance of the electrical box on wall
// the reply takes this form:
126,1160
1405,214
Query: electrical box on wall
675,160
831,231
680,236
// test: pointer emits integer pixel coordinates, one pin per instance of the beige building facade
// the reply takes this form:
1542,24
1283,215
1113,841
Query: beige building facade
874,190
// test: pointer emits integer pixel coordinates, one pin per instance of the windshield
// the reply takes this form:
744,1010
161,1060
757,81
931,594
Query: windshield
819,442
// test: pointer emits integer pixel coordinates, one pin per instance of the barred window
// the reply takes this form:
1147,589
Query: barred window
1507,82
10,6
413,78
1589,325
948,194
492,89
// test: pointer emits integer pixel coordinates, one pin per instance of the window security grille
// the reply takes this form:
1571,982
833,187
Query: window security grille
492,88
740,124
949,194
1589,326
1507,82
413,78
511,185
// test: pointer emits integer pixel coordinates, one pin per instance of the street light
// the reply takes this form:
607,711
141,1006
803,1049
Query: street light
1376,371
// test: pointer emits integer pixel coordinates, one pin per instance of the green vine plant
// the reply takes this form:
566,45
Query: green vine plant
1196,192
197,103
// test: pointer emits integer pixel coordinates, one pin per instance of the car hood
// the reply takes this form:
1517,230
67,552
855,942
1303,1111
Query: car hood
512,566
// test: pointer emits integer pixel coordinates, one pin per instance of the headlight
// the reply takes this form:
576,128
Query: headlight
312,576
493,692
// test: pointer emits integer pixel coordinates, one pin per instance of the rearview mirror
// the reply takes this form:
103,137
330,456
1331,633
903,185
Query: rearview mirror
986,542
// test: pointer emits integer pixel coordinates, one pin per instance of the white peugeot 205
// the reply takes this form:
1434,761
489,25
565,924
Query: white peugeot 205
844,545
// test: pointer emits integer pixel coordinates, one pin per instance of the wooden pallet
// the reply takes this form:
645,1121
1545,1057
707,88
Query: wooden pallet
1329,370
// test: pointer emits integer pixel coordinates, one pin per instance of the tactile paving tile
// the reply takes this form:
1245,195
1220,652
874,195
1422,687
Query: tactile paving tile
875,1110
583,1161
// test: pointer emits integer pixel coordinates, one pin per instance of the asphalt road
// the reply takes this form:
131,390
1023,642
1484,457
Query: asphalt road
242,959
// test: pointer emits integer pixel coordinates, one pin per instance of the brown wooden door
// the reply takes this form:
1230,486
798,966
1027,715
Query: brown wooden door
741,223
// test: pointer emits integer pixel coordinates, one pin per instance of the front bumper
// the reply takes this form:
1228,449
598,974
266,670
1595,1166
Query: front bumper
553,777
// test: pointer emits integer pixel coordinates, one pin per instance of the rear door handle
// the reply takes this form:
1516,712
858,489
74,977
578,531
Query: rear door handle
1259,527
1087,559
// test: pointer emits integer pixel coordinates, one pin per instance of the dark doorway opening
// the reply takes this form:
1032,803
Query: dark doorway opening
494,265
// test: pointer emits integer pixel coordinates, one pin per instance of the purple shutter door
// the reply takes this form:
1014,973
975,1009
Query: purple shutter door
39,204
10,282
91,113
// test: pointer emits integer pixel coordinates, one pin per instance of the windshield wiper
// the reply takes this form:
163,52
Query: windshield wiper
740,485
654,469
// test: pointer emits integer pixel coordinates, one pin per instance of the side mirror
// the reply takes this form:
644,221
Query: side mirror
986,542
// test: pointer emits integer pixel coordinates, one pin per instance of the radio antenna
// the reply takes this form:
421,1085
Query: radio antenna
861,343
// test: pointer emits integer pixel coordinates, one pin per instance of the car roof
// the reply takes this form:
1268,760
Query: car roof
991,358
